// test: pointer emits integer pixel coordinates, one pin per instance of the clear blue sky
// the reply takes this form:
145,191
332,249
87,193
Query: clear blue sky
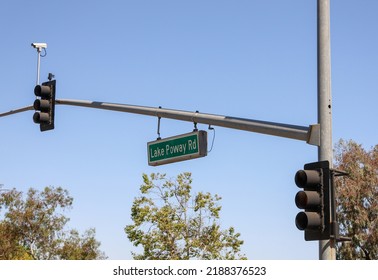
249,59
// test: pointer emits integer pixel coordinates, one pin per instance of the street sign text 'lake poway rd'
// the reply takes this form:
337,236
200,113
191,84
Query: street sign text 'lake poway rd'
177,148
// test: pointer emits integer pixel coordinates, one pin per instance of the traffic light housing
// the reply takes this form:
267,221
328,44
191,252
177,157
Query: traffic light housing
45,105
314,199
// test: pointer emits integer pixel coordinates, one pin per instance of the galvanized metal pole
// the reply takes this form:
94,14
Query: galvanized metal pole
309,134
38,64
326,247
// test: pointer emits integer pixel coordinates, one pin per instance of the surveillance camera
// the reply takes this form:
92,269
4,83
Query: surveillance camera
39,45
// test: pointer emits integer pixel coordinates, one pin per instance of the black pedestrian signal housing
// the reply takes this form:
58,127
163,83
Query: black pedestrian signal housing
314,199
45,105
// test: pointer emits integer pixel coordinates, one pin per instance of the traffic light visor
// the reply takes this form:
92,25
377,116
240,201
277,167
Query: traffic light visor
307,178
308,200
42,91
41,104
308,221
39,117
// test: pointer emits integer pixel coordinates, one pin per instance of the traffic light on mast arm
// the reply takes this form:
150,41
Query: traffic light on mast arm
314,199
45,105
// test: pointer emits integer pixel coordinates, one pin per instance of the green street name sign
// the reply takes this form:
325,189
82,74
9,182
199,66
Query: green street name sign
177,148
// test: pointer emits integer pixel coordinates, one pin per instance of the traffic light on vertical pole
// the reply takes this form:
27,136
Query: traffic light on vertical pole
314,199
45,105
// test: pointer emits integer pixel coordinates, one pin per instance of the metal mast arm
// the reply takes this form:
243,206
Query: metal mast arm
309,134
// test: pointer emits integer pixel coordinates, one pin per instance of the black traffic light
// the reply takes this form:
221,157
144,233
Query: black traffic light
314,199
45,105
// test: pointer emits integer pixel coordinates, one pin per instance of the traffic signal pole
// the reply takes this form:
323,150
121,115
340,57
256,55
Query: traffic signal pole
319,134
327,249
308,134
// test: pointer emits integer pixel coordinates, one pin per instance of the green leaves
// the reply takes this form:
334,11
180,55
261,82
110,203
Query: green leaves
170,223
357,200
33,227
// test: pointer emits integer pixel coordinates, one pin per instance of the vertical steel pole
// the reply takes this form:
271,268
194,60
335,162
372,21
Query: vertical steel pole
38,63
326,247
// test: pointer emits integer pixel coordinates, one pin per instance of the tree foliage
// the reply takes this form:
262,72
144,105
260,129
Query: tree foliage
170,224
357,199
33,228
